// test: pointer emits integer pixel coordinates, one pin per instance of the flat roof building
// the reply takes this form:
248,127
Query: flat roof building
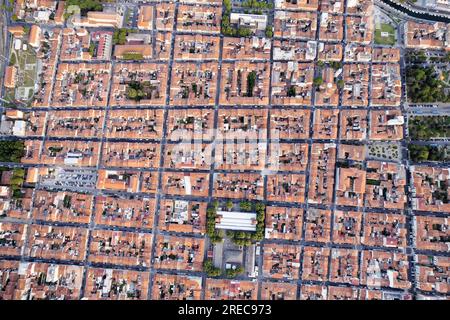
252,21
233,220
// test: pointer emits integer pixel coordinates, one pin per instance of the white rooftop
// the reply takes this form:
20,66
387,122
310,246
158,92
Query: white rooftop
234,220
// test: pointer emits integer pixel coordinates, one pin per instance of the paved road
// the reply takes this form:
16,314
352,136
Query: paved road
3,37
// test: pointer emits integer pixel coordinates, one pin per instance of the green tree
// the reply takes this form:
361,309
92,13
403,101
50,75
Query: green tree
244,32
210,212
336,65
232,273
85,5
209,268
92,49
245,206
291,91
13,59
318,81
424,85
11,151
229,205
216,237
227,4
230,233
251,82
260,207
132,93
120,36
269,32
260,217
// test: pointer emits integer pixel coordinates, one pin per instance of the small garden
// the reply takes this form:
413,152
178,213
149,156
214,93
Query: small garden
389,151
385,34
140,90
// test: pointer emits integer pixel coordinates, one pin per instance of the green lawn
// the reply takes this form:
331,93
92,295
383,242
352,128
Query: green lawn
26,63
389,40
9,95
27,58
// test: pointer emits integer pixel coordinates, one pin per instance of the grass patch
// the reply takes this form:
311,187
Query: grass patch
13,59
17,182
27,65
389,40
132,56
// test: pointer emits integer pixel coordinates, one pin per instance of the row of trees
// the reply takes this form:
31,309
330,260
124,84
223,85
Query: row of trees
238,237
419,56
209,268
251,82
211,271
257,4
9,8
214,235
244,238
228,30
120,35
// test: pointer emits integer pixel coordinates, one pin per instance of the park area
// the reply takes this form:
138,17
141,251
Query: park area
429,127
384,34
25,60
